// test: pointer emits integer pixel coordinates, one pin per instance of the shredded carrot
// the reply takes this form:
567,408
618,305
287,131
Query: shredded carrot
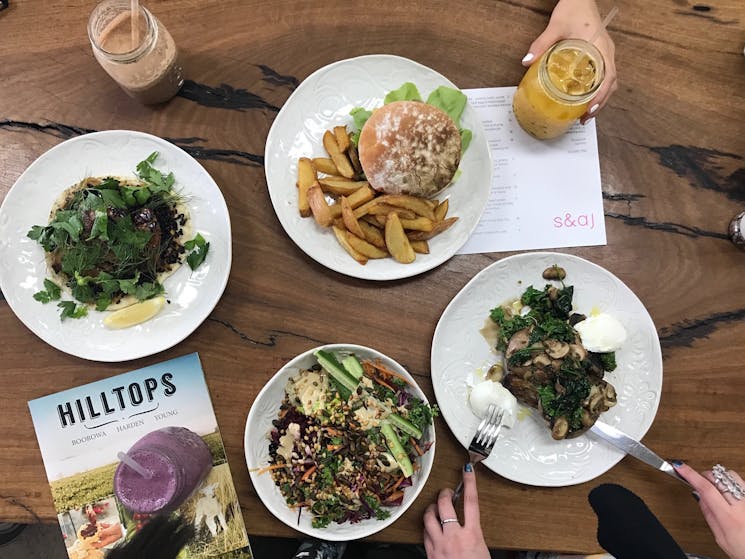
308,472
334,446
394,496
399,482
381,382
333,432
416,447
378,364
368,368
270,468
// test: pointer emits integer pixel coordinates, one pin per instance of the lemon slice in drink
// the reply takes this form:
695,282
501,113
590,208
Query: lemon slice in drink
134,314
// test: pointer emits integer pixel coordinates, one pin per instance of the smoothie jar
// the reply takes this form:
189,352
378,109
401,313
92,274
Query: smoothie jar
558,87
177,461
137,51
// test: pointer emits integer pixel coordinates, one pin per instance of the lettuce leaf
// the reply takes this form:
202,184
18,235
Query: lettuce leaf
452,101
407,92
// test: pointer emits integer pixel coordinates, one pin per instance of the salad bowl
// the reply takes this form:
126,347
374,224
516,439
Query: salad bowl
259,425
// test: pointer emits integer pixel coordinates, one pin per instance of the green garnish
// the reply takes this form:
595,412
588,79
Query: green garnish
52,292
199,248
111,239
72,310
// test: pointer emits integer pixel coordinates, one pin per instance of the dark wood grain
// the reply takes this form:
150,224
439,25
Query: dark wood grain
671,146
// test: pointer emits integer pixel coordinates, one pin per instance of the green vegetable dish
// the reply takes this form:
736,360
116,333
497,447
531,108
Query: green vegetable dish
111,241
547,366
347,440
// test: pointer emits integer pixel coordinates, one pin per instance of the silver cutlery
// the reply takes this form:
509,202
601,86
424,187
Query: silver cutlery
483,441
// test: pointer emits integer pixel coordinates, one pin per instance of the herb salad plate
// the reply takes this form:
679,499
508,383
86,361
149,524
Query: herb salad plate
526,453
191,294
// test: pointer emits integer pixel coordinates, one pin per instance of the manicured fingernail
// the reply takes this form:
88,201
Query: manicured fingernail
528,57
696,496
676,463
594,108
468,467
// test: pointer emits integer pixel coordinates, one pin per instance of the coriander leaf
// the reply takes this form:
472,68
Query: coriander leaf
407,92
123,232
128,287
148,290
199,248
100,227
142,194
103,302
450,100
112,198
68,221
109,183
52,292
71,310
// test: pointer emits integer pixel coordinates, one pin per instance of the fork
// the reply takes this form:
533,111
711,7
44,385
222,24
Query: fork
483,441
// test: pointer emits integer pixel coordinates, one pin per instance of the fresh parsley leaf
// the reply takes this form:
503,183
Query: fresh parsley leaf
148,290
123,232
129,286
199,248
68,221
71,310
109,183
103,302
100,227
112,198
157,181
52,292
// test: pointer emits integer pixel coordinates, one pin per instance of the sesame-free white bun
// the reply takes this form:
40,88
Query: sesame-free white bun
409,147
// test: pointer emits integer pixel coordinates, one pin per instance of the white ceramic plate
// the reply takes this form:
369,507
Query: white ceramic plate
256,445
324,100
527,453
192,295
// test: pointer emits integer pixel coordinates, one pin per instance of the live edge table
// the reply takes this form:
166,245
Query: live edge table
671,155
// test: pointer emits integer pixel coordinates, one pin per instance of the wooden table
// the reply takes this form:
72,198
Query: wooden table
671,146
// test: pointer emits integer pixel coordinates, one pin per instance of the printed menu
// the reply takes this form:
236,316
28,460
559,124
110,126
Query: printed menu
123,449
544,193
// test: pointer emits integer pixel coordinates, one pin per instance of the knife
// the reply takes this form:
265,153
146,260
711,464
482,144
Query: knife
631,446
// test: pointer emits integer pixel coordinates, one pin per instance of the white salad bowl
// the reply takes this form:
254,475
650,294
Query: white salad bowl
256,446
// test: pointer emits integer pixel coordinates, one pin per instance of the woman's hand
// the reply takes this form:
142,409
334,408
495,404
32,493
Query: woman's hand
444,536
724,514
579,19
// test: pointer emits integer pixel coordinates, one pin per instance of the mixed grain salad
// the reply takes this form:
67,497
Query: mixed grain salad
347,440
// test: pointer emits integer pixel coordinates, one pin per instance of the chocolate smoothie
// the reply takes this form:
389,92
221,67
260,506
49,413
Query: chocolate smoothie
144,61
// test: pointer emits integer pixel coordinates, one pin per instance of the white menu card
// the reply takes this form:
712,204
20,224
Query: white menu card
544,193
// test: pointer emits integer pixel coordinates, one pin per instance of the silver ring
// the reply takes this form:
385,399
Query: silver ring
726,483
443,522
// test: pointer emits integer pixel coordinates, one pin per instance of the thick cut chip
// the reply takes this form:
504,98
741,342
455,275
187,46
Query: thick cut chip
342,137
342,238
339,157
325,165
397,242
365,248
350,222
438,228
319,206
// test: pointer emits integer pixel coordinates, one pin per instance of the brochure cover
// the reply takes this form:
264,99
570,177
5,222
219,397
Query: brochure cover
126,448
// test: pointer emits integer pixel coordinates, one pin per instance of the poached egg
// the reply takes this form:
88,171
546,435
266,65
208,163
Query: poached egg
601,333
490,392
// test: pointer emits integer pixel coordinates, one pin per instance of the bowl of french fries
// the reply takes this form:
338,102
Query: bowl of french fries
318,187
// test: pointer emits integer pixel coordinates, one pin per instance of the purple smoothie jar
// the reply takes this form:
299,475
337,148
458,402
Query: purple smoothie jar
177,459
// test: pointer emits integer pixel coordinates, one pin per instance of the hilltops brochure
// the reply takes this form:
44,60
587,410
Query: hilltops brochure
126,448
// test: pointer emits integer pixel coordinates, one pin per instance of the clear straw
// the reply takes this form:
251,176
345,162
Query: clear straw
134,8
605,24
129,461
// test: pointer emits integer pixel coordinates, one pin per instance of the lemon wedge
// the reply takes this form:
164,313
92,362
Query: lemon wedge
134,314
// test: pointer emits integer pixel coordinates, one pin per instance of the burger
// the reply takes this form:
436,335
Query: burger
409,147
